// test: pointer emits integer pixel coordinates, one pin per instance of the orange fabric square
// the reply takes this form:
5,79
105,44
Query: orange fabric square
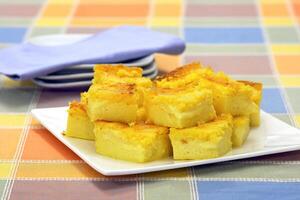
126,10
167,10
42,145
9,139
296,7
106,21
35,123
167,63
288,64
274,10
57,10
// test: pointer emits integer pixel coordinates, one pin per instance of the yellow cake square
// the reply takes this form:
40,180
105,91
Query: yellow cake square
137,143
241,128
229,96
79,124
256,97
205,141
235,100
103,72
180,107
116,102
256,90
110,74
194,112
255,118
117,94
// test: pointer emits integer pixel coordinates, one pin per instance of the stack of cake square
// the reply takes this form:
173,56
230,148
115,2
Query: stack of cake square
190,113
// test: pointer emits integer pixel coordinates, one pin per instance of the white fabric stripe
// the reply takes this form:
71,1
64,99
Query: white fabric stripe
74,6
140,191
9,183
141,184
190,179
21,143
150,13
273,64
195,184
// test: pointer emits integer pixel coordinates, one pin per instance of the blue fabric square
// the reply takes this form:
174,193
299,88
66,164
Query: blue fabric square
272,101
229,190
12,35
224,35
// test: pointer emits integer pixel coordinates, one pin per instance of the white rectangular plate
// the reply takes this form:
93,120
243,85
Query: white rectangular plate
273,136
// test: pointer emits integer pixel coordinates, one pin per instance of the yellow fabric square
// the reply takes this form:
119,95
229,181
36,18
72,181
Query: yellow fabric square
286,49
290,81
46,22
278,21
5,169
272,1
61,1
167,1
12,120
110,2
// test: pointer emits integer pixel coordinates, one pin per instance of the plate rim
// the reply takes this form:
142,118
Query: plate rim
150,71
188,163
77,84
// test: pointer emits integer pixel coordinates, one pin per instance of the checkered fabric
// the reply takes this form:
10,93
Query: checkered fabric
255,40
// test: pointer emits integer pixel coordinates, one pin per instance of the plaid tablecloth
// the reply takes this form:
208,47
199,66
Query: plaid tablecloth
256,40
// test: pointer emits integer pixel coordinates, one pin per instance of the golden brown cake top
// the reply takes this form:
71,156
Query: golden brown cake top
83,97
122,88
256,90
116,93
114,74
182,98
109,74
180,72
77,108
117,70
256,85
139,133
180,77
196,74
193,74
